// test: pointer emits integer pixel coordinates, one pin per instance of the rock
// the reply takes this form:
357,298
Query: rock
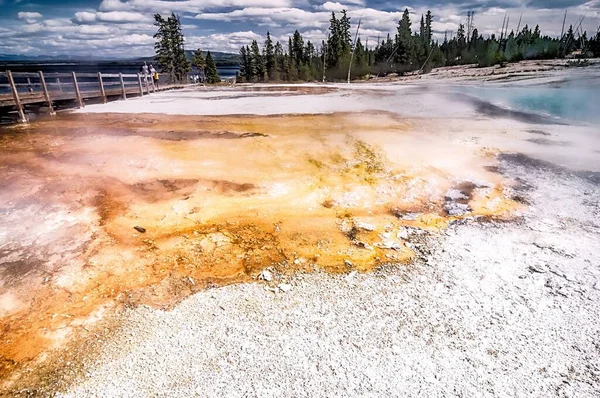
402,234
351,275
456,209
533,268
284,287
455,194
348,263
410,216
365,226
266,275
597,285
140,229
390,244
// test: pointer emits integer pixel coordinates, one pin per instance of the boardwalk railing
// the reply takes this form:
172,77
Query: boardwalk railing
40,88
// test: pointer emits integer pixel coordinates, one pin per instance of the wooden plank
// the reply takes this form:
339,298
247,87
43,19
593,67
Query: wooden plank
123,86
15,94
46,94
102,92
77,93
87,75
24,74
140,83
27,84
119,75
87,84
55,75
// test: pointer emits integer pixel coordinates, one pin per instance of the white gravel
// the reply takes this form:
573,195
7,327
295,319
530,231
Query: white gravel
509,310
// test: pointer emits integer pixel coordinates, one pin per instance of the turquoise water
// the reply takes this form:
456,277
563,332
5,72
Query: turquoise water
574,100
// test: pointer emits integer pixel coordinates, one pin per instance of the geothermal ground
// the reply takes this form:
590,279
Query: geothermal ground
379,240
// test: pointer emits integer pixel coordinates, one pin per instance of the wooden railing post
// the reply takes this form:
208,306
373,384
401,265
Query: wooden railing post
140,82
102,92
123,86
77,93
15,94
59,85
46,93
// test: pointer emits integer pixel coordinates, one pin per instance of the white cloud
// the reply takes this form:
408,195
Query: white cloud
302,19
332,6
85,17
271,16
162,6
223,41
337,6
29,17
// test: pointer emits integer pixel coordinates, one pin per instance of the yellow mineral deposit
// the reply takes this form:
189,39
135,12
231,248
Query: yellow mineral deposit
215,200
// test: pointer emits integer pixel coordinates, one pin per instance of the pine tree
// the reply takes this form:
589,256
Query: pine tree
199,61
257,60
428,28
278,70
404,45
162,46
297,48
251,69
244,66
461,38
334,41
169,47
270,57
181,64
212,75
345,35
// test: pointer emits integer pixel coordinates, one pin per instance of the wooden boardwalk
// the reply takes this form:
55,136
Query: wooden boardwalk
38,90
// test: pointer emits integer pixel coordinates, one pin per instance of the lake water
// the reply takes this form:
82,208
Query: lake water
574,98
103,67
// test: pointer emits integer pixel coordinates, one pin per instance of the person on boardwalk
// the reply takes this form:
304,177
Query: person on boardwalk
144,69
152,73
155,78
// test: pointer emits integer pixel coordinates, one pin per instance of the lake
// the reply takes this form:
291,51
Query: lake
104,67
574,96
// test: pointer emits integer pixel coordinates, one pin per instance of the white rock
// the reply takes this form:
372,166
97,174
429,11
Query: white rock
351,275
284,287
266,275
365,226
402,233
455,194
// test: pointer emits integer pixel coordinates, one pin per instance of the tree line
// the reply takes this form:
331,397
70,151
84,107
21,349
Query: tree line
170,52
407,51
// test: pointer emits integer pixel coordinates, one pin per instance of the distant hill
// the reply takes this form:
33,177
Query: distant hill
222,59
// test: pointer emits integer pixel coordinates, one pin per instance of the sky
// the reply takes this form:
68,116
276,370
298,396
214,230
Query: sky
124,28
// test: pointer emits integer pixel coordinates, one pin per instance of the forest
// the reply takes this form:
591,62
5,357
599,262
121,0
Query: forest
343,56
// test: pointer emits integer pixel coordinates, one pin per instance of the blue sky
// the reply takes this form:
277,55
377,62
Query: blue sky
123,28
